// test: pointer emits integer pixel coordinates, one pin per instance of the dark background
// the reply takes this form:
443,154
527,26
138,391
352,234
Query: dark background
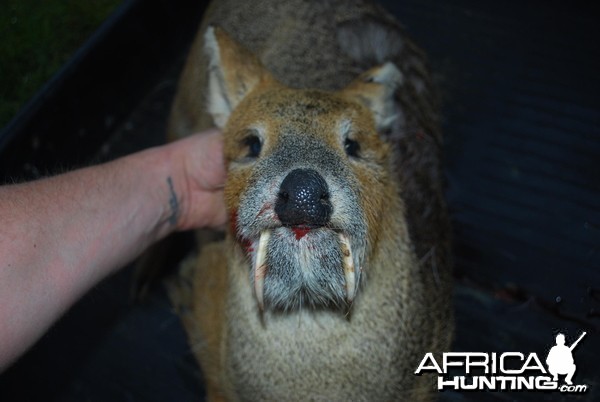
521,122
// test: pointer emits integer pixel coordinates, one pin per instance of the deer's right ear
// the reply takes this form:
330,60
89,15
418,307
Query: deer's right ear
233,72
376,89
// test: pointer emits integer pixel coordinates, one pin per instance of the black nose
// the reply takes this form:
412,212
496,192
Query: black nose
303,199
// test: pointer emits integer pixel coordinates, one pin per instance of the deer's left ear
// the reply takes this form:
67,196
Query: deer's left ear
375,89
233,73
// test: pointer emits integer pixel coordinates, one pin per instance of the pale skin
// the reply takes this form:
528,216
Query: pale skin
62,235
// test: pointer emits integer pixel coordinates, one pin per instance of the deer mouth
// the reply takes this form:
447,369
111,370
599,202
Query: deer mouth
263,262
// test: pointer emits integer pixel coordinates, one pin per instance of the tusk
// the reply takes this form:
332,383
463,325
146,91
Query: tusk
348,262
260,267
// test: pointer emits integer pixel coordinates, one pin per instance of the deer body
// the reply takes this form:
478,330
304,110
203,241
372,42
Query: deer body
333,280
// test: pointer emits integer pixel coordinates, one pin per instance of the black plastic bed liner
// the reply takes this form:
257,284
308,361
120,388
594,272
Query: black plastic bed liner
522,126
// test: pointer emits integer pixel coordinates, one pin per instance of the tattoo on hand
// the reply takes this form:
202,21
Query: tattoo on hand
173,202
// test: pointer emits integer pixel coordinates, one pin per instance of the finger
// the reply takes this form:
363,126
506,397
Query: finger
207,210
206,163
215,162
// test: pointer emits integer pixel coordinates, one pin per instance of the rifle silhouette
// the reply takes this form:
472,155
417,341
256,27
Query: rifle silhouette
577,341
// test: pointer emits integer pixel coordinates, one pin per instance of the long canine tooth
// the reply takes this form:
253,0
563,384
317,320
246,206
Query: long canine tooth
348,262
260,267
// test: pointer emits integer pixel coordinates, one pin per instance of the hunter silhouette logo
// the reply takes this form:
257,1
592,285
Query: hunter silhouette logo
508,371
560,359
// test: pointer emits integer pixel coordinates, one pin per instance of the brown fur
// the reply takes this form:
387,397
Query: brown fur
367,350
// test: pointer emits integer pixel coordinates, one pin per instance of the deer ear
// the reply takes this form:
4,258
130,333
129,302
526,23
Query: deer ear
233,72
375,89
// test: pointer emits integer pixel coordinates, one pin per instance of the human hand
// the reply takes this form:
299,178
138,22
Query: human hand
200,181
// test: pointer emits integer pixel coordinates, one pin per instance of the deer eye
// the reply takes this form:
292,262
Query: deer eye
351,147
254,145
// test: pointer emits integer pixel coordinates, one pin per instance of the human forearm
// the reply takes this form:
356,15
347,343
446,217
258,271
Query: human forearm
63,234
